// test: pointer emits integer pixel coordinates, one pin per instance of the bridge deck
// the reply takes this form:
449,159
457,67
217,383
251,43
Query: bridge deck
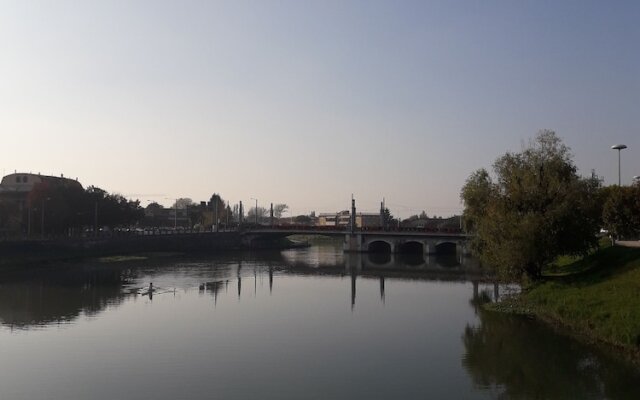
326,232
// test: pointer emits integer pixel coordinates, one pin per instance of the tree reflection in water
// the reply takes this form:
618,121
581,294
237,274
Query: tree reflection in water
517,358
39,298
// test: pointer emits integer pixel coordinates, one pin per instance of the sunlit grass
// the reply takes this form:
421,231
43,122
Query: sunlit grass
597,297
568,265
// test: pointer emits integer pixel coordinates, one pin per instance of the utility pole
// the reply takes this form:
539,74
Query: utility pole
215,214
271,216
256,211
353,214
226,228
383,223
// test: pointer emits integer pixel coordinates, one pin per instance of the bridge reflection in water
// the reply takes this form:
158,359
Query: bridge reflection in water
382,266
61,295
503,356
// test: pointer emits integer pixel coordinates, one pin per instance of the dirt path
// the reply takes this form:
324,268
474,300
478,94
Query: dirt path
628,243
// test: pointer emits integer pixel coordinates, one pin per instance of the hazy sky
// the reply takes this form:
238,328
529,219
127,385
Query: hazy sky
307,102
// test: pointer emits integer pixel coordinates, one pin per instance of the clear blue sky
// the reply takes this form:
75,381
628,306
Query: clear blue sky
307,102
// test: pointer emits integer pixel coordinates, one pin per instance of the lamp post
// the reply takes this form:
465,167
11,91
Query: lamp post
619,147
256,210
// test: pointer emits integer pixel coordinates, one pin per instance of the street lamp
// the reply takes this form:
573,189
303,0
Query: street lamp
256,210
619,147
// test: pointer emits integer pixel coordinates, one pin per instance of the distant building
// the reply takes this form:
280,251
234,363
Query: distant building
14,194
19,185
451,223
368,220
342,219
161,217
327,219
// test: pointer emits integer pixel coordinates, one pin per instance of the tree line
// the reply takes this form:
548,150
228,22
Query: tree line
61,209
535,207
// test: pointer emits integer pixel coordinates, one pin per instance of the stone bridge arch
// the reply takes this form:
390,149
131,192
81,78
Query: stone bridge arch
380,246
447,247
411,247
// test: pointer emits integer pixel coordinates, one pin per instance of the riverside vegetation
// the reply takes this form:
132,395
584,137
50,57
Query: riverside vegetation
596,298
537,222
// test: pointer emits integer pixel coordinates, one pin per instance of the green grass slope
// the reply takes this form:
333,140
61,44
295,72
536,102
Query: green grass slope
597,297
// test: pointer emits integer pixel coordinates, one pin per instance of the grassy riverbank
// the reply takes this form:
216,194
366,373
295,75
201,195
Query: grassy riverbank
596,298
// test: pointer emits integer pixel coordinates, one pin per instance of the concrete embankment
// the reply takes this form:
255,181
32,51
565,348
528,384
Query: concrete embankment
28,251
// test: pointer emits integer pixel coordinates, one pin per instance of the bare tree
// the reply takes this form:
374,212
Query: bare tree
279,209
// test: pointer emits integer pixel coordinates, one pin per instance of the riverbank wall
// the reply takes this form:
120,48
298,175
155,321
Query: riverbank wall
29,251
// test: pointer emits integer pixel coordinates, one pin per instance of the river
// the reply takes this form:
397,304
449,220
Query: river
308,323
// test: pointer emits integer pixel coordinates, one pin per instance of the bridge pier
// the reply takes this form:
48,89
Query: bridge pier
353,262
428,248
353,243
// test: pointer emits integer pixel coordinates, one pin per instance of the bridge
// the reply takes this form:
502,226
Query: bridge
418,241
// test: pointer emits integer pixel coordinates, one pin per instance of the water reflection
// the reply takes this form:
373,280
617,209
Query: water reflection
63,293
517,358
44,297
214,288
308,327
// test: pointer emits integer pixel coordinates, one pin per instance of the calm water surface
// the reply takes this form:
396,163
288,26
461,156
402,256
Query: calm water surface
298,324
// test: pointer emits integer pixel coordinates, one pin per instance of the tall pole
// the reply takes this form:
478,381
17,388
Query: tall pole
215,216
175,217
619,170
256,210
353,214
382,222
226,228
619,147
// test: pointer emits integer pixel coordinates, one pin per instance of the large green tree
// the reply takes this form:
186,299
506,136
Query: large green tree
218,205
57,209
534,209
